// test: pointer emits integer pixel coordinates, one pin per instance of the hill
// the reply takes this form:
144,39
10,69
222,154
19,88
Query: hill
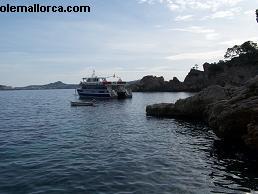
55,85
3,87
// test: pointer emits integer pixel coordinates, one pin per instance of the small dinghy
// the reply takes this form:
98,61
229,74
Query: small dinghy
82,104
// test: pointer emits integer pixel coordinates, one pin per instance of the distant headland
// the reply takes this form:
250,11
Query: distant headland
240,64
55,85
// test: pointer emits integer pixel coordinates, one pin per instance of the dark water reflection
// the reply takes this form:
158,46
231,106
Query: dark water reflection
240,167
46,146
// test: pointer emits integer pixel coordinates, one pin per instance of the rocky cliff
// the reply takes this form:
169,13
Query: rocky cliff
240,65
232,112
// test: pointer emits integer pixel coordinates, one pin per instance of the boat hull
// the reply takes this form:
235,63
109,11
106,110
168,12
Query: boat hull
85,94
82,104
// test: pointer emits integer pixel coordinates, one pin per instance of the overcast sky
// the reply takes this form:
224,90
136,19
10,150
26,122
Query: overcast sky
131,38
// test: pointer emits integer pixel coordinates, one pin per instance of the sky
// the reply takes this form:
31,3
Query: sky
131,38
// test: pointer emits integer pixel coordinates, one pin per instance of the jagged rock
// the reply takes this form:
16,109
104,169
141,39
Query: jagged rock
152,83
149,84
232,112
230,117
174,85
192,107
155,84
234,72
195,80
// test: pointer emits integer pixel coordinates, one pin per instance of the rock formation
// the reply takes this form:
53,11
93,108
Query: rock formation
241,65
195,81
154,84
232,112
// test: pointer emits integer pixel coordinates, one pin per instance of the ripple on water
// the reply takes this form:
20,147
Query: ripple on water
46,146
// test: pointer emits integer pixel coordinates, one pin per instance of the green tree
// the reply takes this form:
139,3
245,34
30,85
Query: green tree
248,47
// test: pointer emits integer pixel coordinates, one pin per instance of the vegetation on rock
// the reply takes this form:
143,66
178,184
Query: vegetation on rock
247,48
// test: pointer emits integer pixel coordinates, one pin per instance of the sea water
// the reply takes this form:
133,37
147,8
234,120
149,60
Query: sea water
47,146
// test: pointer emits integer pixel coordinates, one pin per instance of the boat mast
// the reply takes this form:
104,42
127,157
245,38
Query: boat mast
93,74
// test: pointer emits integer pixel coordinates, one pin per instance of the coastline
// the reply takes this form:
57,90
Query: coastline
228,102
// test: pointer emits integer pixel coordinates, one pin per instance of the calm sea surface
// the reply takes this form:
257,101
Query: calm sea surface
46,146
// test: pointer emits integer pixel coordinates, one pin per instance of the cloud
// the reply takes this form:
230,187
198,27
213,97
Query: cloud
210,34
157,26
195,29
201,55
213,5
224,14
131,46
250,13
173,6
184,18
233,42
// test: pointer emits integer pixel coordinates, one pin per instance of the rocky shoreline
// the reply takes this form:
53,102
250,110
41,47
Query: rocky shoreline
228,97
232,112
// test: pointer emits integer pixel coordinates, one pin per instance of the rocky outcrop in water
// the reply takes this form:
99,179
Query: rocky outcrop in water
232,112
149,84
192,107
153,84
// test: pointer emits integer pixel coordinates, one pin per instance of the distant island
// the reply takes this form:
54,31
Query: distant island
55,85
3,87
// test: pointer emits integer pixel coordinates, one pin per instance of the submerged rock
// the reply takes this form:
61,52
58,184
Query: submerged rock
232,112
